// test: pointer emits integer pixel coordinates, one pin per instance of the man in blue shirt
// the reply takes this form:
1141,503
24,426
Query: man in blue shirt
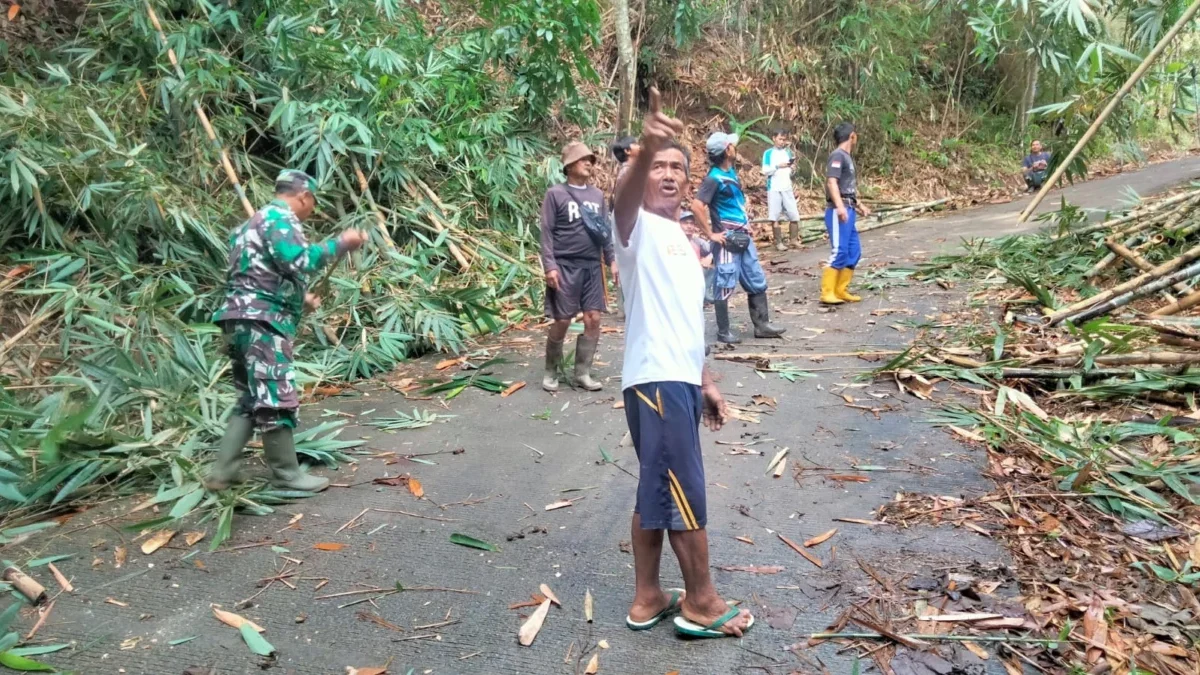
720,208
1034,166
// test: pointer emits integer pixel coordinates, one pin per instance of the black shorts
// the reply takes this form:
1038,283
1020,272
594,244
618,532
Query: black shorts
580,289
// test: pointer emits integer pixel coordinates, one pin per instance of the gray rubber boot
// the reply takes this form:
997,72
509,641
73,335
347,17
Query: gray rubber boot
280,450
794,234
777,232
760,315
224,472
585,353
724,332
554,354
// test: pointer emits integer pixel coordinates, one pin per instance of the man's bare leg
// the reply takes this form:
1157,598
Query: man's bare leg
558,329
648,596
702,605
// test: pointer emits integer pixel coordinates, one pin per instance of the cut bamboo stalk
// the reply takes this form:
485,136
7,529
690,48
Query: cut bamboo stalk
365,188
1135,359
230,173
1142,291
26,586
1067,373
439,226
1177,341
1141,263
1164,269
1184,20
1186,302
1133,214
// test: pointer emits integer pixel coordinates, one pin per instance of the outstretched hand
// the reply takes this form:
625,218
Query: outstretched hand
658,128
713,412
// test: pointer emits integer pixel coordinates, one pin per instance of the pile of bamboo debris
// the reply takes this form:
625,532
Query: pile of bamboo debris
1089,413
883,214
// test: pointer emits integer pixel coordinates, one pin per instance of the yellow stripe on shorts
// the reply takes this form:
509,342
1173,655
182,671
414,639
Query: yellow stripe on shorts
681,502
647,401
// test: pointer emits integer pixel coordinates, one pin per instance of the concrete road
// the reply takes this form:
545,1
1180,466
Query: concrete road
500,461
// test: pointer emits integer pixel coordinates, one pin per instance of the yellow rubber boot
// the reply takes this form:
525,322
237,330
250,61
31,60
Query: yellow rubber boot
843,284
829,281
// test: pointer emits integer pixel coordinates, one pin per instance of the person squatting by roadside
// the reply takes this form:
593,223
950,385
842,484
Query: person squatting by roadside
266,292
667,388
1034,166
777,163
575,243
841,215
720,208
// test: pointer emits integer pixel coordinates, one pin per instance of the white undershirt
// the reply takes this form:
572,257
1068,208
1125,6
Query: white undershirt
663,286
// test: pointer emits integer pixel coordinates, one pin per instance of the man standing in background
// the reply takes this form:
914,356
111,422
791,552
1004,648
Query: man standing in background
777,163
575,243
841,207
1033,167
720,208
265,294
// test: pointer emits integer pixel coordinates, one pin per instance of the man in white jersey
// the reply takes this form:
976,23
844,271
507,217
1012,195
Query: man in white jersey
667,388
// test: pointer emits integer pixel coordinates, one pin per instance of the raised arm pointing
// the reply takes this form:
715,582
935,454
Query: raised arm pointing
658,129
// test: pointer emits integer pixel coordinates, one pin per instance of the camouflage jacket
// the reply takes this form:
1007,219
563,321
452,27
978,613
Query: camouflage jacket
269,262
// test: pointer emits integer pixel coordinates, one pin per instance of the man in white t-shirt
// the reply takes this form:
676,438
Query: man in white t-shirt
777,165
667,388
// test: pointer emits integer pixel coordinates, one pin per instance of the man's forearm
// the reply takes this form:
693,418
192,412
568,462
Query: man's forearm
705,377
701,214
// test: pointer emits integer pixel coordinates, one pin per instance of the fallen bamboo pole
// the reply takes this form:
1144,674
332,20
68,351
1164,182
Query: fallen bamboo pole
1175,340
1068,373
1141,263
1133,214
32,590
230,173
1184,19
1122,300
1134,359
365,187
1164,269
1186,302
437,224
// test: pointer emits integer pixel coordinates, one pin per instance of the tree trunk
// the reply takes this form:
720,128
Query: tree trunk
627,66
1030,98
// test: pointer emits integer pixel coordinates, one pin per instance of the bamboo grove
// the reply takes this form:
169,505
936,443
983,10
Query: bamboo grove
114,215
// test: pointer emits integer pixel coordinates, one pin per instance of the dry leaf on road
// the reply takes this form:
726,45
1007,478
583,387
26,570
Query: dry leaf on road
820,538
560,504
157,541
119,556
235,620
976,650
1095,629
804,554
549,594
192,537
328,546
414,486
593,666
13,11
533,624
370,670
745,540
587,605
515,386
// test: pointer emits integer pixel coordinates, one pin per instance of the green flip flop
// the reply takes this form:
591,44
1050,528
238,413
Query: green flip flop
691,629
672,606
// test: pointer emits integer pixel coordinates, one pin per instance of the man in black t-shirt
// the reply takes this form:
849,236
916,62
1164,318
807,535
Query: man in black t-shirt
841,205
572,262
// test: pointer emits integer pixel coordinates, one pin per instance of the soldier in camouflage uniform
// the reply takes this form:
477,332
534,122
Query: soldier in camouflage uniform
266,291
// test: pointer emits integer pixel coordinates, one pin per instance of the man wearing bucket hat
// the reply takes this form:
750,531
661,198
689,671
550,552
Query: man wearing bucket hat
576,242
720,206
266,291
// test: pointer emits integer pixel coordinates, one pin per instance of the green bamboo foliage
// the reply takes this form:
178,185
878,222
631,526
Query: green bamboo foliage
114,214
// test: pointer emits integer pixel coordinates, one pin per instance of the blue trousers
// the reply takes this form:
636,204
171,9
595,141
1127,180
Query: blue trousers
733,268
843,239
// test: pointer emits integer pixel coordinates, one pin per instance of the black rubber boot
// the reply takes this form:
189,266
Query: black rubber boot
724,332
224,471
280,450
760,315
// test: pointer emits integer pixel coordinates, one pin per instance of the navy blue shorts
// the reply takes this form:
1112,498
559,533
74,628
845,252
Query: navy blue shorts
664,421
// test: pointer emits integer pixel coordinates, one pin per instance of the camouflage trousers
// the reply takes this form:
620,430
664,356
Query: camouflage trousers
262,373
